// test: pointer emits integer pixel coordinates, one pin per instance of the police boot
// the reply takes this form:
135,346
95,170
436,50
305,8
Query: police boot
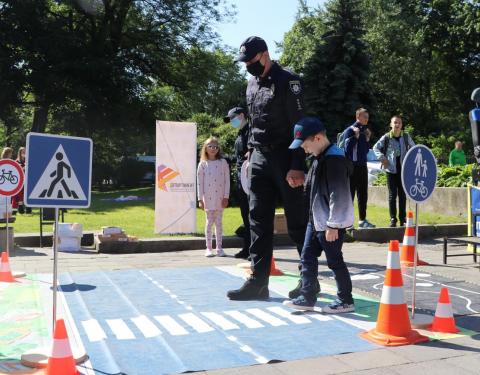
250,290
295,293
242,254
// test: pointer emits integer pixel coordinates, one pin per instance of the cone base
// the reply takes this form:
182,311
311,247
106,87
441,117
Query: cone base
276,272
7,279
450,329
18,274
413,337
410,264
38,358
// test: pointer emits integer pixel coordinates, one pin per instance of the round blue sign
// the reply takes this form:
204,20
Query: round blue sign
419,173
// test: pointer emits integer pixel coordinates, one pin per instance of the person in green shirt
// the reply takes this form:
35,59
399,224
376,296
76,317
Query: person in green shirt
457,156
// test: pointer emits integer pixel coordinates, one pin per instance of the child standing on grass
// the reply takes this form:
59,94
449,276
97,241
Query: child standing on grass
213,181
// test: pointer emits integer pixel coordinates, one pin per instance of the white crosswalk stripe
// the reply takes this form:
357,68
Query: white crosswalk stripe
120,329
171,325
196,323
146,326
297,319
93,330
244,319
266,317
220,321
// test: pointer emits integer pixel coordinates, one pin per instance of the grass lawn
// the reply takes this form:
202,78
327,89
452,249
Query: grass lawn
137,217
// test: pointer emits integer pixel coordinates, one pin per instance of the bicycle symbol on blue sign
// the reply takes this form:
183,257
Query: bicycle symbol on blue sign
419,173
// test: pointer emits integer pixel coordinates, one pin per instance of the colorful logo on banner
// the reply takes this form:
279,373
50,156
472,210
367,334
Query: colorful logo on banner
165,174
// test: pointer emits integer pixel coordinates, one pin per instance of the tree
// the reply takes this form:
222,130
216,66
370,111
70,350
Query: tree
299,42
336,76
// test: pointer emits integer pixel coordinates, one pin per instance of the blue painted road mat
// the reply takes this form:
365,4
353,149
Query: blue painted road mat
175,320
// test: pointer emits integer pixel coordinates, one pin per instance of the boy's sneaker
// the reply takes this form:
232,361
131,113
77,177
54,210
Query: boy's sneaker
338,307
209,253
365,224
295,293
221,253
300,303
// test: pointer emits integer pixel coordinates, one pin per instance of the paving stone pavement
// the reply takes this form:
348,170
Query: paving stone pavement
455,356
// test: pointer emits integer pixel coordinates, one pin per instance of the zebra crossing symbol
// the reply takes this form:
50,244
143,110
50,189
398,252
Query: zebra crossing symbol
58,180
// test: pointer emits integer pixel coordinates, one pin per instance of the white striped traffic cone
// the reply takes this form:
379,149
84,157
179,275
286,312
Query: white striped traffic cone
61,361
393,323
444,320
408,246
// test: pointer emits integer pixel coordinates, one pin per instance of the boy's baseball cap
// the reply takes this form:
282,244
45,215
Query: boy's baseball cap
304,128
232,113
250,48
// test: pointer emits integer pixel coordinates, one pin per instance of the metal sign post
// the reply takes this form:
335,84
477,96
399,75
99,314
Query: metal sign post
419,177
7,240
55,269
415,261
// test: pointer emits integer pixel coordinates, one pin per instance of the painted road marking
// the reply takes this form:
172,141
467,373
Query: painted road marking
220,321
244,319
287,314
196,323
120,329
94,330
266,317
171,325
146,326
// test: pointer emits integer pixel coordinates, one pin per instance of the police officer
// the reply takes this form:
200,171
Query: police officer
237,117
275,104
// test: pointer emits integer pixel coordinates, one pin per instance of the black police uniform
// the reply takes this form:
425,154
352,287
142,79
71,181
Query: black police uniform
275,104
241,148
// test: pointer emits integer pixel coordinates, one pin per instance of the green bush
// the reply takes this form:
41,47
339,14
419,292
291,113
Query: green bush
458,176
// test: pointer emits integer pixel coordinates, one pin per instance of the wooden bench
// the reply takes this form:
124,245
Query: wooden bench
468,240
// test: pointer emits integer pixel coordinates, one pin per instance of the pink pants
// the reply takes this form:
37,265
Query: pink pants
213,217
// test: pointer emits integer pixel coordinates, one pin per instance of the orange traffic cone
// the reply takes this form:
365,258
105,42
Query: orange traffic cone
444,320
408,246
5,271
274,271
61,360
393,323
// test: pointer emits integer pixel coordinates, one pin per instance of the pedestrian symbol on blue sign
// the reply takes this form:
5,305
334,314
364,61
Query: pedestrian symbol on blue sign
58,171
419,173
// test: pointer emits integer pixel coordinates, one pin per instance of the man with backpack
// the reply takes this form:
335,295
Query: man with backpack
391,149
354,140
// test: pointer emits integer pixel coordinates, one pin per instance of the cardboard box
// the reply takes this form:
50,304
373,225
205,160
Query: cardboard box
111,230
112,237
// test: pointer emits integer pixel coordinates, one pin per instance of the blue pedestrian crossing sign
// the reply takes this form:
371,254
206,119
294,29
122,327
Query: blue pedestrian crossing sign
419,173
58,171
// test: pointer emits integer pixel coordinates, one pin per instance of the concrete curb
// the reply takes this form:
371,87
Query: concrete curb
160,245
383,235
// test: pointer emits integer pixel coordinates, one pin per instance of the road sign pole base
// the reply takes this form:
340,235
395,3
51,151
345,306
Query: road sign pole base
38,358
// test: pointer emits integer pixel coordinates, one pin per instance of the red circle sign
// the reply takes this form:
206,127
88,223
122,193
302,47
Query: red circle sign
11,177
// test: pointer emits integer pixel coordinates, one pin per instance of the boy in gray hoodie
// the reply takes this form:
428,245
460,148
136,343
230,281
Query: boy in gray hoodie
330,212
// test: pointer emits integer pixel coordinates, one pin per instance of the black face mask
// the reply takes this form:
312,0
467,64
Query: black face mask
256,69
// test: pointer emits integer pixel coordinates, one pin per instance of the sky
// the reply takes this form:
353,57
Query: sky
269,19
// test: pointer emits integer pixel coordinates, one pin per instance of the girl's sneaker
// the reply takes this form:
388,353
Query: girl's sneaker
209,253
338,307
221,253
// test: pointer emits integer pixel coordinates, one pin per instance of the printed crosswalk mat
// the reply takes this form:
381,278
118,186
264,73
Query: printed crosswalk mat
163,321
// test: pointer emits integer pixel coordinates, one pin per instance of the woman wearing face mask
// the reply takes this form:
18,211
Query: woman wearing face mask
237,117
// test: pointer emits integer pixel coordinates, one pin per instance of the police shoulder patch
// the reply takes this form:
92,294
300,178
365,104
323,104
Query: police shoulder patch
295,87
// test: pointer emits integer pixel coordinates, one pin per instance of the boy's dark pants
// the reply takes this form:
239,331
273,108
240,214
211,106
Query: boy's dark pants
315,243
